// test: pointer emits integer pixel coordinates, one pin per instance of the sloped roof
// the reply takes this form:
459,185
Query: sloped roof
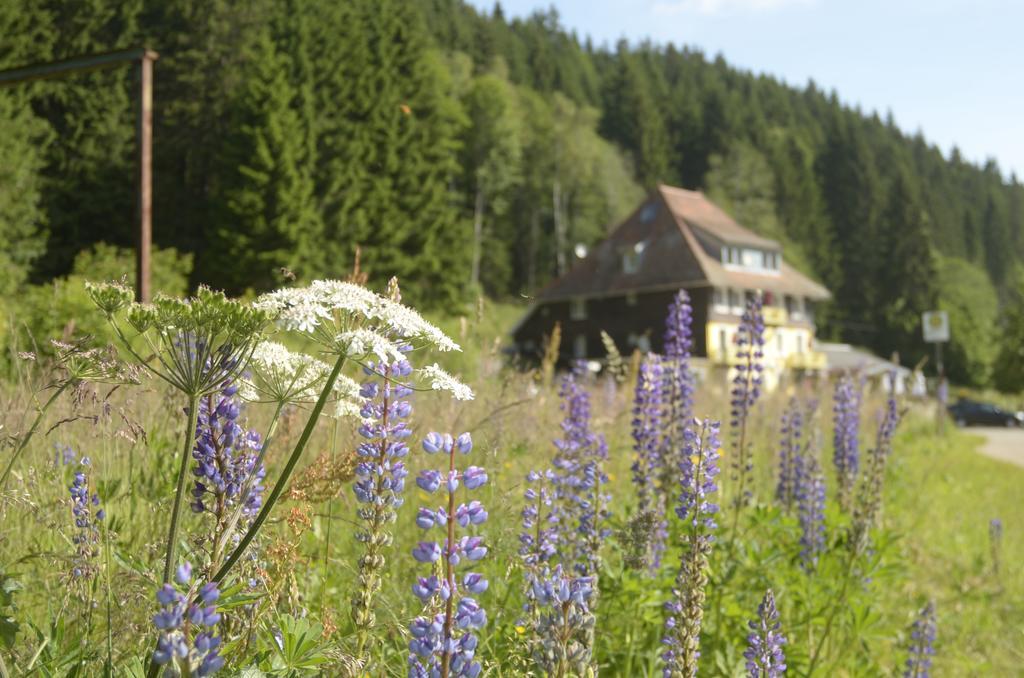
699,212
666,227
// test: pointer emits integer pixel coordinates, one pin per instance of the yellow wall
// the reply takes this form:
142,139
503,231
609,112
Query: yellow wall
780,348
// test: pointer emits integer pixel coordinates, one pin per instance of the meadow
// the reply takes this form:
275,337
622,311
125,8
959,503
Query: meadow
306,598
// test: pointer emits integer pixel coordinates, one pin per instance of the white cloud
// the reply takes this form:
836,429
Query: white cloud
710,7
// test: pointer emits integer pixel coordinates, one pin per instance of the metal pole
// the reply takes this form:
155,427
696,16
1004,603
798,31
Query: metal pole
144,138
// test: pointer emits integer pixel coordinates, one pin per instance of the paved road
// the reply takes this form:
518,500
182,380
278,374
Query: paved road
1004,444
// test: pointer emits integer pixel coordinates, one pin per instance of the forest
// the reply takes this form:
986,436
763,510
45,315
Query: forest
468,153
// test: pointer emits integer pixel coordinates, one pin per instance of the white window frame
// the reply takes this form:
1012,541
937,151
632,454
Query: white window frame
577,308
579,346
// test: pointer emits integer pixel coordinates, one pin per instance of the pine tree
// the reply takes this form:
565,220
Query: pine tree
265,217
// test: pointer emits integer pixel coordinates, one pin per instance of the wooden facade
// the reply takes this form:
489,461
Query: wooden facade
674,240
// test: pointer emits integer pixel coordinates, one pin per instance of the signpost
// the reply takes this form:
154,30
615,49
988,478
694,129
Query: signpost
935,327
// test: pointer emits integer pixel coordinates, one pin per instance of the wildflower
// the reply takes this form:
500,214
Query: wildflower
440,380
85,508
869,498
809,493
562,645
278,375
98,365
764,650
187,644
443,640
698,471
745,392
228,471
380,476
647,445
922,643
791,430
679,382
579,477
349,319
846,417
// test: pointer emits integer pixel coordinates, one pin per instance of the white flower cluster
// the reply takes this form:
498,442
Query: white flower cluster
280,375
328,309
440,380
365,342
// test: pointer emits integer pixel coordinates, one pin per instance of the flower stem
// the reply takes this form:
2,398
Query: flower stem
172,532
330,518
23,443
282,480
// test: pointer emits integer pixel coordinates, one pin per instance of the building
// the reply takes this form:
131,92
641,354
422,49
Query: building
677,239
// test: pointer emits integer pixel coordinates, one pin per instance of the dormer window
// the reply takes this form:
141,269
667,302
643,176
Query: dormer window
751,259
632,257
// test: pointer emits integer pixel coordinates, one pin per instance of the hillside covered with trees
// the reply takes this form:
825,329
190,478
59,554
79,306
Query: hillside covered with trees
468,152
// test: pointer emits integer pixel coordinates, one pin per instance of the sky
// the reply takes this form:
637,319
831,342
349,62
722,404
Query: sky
953,69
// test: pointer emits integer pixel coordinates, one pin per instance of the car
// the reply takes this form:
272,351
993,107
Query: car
974,413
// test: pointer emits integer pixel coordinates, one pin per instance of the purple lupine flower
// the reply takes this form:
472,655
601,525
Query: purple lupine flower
698,470
444,643
846,437
187,642
64,455
764,643
809,493
228,471
790,452
85,508
745,392
564,622
648,408
995,542
679,382
922,643
869,499
381,474
579,478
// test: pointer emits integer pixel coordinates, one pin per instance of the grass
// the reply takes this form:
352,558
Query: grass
939,498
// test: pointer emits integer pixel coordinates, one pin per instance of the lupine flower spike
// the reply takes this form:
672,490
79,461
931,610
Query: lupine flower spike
85,508
790,454
922,643
443,639
579,478
745,392
679,383
187,645
698,471
846,439
380,478
648,528
869,499
764,655
228,483
810,497
565,623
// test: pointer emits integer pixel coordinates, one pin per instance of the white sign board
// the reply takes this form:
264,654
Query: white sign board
935,325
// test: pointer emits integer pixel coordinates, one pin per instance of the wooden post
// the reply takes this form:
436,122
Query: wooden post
144,134
144,140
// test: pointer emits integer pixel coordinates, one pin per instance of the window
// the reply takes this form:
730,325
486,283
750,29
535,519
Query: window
723,342
734,299
579,346
578,309
749,296
648,213
778,342
721,300
800,343
632,257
